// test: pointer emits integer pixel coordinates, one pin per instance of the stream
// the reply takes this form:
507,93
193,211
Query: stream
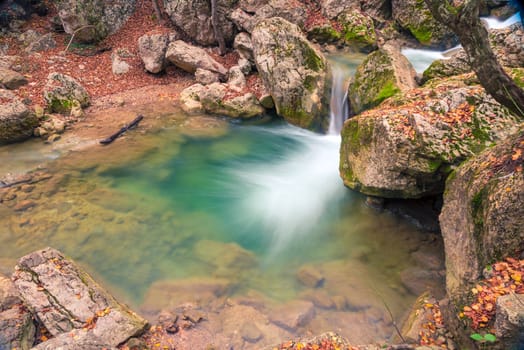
220,213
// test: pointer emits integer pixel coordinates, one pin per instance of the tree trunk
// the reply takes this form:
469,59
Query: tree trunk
216,28
465,22
157,10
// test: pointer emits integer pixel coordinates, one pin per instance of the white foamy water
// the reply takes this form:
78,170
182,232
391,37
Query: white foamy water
494,23
421,59
339,107
289,196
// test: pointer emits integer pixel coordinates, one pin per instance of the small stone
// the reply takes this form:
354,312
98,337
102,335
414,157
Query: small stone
250,332
293,315
310,277
39,111
266,101
53,138
24,205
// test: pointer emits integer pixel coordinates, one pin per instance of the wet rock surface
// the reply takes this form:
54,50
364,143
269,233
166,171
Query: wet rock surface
16,120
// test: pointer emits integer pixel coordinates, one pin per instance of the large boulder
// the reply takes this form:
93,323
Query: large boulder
483,216
66,299
193,17
62,93
152,50
406,148
93,20
293,71
16,120
383,73
189,58
415,17
332,8
358,30
17,330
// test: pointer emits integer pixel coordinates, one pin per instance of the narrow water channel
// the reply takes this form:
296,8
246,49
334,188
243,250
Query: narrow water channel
235,212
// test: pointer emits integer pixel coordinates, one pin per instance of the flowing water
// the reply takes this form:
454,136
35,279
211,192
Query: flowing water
233,218
421,59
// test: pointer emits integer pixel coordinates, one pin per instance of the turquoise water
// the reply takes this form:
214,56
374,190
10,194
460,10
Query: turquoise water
214,212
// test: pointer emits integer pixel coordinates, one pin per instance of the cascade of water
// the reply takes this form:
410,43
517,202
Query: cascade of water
339,106
494,23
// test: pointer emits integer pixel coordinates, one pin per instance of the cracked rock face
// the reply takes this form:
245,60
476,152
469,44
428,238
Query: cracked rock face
65,299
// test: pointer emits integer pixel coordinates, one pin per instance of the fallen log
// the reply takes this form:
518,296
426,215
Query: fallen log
131,125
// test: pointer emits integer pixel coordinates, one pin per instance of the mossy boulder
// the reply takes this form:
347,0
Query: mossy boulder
358,30
93,20
16,120
293,71
406,147
63,93
507,44
415,17
482,218
383,74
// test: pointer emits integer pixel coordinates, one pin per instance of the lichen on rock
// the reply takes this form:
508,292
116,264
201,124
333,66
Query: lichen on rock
293,71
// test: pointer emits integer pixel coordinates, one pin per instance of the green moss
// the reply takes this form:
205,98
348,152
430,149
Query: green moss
434,164
61,106
387,90
477,211
518,76
324,34
422,33
312,60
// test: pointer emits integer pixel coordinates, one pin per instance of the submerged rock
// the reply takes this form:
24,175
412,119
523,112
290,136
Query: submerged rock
406,149
293,71
16,120
483,216
383,74
293,315
66,299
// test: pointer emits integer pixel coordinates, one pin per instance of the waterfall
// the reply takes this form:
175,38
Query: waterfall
339,104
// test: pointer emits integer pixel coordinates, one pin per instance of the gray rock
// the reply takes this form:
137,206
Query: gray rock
293,315
16,120
193,17
73,340
10,79
61,92
244,46
215,99
251,6
332,8
17,329
42,43
65,298
189,58
358,30
405,150
415,17
206,77
509,321
507,44
383,73
236,79
293,71
93,20
294,12
8,61
243,20
118,65
152,50
418,281
482,216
